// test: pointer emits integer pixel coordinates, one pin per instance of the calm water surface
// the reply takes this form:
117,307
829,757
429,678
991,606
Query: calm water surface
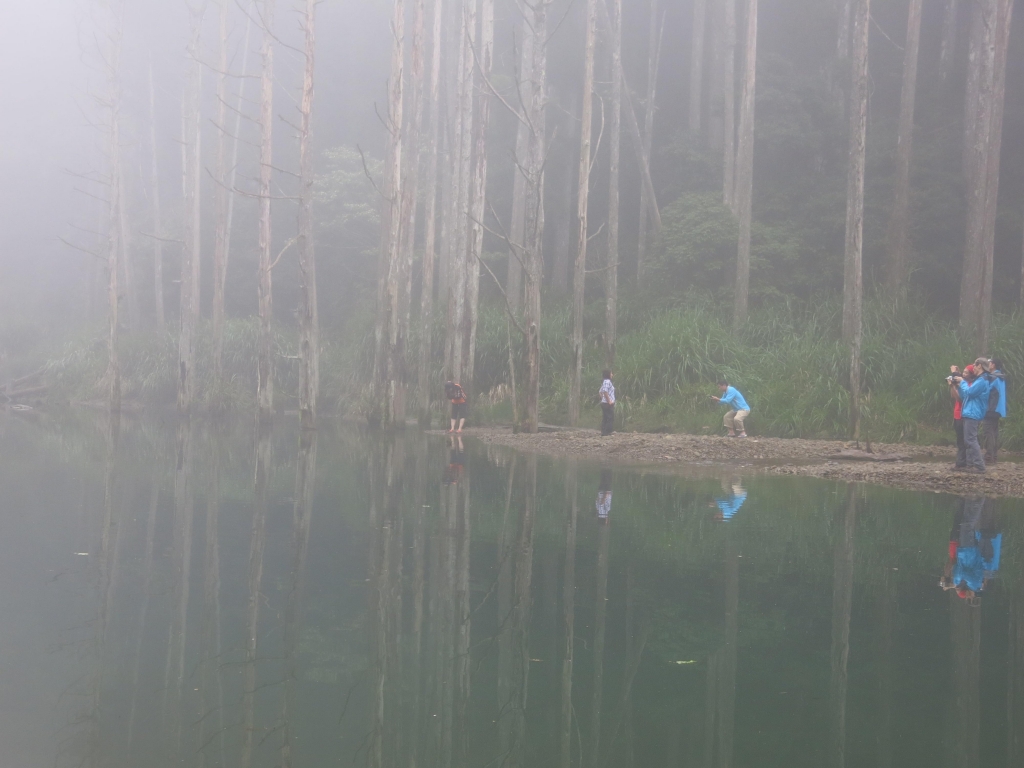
207,597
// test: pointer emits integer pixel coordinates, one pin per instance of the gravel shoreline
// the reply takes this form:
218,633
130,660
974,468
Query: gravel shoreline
920,468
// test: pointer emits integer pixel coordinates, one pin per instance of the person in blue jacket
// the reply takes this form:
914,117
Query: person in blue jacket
974,388
996,408
738,408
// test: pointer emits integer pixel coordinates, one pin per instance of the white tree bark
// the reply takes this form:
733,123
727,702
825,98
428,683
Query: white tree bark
582,197
696,61
158,245
112,378
517,226
654,39
614,153
265,361
729,104
745,167
309,322
949,29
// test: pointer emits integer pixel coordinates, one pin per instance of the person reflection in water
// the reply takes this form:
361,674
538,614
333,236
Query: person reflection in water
456,461
975,544
604,496
734,494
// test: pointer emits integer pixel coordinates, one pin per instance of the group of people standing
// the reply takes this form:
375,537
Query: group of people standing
979,403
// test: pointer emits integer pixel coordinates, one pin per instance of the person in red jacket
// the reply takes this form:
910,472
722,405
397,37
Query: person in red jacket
454,392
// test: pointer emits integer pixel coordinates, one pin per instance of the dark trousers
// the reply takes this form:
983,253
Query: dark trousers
961,444
607,418
991,436
974,457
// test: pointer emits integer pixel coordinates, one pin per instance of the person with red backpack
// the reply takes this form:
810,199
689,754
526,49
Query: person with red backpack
454,392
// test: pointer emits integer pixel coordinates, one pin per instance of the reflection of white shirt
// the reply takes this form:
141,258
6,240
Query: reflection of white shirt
604,504
608,390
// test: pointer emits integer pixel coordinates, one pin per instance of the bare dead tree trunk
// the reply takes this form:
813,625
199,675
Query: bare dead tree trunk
696,62
189,298
265,357
842,602
221,197
853,289
655,36
949,28
714,133
517,226
127,264
979,120
484,56
536,22
898,240
994,154
745,167
614,151
729,104
111,381
309,322
565,218
579,274
158,245
568,619
430,216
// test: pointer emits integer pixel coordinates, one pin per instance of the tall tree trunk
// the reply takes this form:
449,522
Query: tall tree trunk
898,238
517,226
852,264
537,24
111,381
842,603
309,322
729,104
478,193
521,617
697,34
614,151
211,713
565,203
993,156
158,245
189,298
745,167
947,52
978,123
127,263
220,267
568,619
265,357
579,274
430,216
655,36
221,197
147,579
714,134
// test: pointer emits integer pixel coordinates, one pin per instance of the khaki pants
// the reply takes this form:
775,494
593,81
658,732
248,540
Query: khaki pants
734,420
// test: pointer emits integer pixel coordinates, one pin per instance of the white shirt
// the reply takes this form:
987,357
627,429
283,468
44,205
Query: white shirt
608,389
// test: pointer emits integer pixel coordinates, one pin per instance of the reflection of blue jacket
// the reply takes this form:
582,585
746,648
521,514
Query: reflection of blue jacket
731,505
974,397
969,568
991,564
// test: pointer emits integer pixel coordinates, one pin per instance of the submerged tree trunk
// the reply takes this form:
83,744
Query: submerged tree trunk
842,603
898,238
309,322
158,244
430,217
729,104
189,302
949,28
696,62
600,620
615,136
852,263
579,275
519,633
655,36
265,357
478,193
745,167
568,620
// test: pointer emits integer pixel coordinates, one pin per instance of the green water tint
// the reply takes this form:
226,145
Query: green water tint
350,600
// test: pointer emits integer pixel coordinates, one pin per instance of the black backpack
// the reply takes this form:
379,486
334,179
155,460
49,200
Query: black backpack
452,391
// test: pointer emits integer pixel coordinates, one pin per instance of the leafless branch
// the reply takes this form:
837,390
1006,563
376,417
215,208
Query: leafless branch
90,194
162,239
514,248
366,171
287,245
600,136
597,233
80,248
487,81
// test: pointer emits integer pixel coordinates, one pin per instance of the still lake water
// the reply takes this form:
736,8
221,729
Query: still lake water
205,598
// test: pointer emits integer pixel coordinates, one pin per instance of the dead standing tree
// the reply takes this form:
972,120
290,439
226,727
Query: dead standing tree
745,167
853,286
158,241
654,39
265,356
583,198
611,291
309,324
189,297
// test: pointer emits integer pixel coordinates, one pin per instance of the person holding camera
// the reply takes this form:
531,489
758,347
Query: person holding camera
958,422
973,388
606,396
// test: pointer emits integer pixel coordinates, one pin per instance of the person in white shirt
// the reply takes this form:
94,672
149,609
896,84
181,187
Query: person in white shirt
607,397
